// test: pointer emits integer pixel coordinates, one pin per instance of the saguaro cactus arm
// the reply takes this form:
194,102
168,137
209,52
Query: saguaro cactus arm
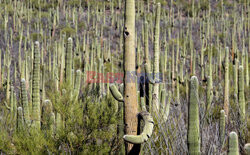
115,92
147,130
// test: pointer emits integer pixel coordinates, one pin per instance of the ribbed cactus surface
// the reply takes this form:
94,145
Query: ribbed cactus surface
193,118
36,113
233,144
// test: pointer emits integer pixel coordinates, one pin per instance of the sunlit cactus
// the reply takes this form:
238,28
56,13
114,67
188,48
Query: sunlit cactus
241,93
209,95
222,127
247,148
193,118
25,103
36,116
233,144
155,98
68,61
226,86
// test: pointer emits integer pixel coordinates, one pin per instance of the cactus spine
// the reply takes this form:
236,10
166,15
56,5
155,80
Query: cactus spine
193,118
233,144
36,88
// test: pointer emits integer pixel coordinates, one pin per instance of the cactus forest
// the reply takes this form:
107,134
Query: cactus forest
125,77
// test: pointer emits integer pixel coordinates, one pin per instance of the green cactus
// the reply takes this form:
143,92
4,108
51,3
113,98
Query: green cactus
8,82
247,148
241,94
167,106
193,118
246,69
235,78
13,106
226,86
36,88
116,94
222,127
20,121
233,144
143,106
155,99
68,62
193,62
163,102
1,84
77,84
147,130
25,103
48,117
209,97
59,124
177,99
202,61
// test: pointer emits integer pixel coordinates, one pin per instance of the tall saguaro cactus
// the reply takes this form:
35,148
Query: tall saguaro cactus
36,88
130,99
148,87
155,98
241,94
193,118
226,87
68,61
